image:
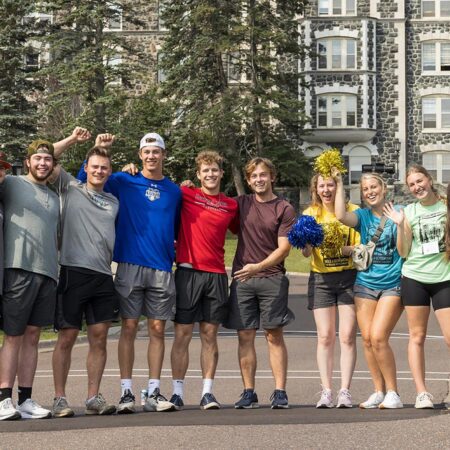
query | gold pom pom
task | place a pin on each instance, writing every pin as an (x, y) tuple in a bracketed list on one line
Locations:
[(333, 240), (327, 160)]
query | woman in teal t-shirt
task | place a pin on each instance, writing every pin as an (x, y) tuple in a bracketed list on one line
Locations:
[(426, 271), (377, 289)]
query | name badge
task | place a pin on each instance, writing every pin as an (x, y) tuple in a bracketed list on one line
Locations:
[(430, 248)]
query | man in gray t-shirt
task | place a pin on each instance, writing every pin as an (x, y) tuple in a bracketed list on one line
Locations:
[(86, 287)]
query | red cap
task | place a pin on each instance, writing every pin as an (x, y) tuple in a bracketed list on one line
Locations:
[(5, 164)]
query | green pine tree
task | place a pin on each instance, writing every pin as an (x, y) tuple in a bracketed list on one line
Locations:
[(232, 79)]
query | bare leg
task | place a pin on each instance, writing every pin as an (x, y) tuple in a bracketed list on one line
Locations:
[(443, 317), (61, 359), (278, 356), (28, 356), (247, 357), (10, 360), (325, 319), (417, 323), (347, 340), (179, 355), (210, 351), (96, 359), (389, 310), (126, 347), (365, 311), (155, 354)]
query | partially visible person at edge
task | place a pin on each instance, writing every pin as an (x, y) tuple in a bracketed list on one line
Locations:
[(259, 290), (330, 291), (86, 287), (201, 280), (423, 239), (377, 289), (31, 217), (146, 228)]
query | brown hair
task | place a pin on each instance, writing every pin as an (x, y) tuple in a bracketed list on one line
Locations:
[(98, 151), (208, 157), (417, 168), (251, 166)]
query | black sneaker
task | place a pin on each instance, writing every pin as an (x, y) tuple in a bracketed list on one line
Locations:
[(279, 399), (208, 401), (126, 403), (248, 400), (177, 402)]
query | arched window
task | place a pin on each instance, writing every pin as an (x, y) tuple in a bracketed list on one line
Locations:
[(336, 53), (438, 164), (357, 156), (336, 111)]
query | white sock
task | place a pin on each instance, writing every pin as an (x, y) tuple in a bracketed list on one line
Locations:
[(125, 383), (178, 387), (207, 386), (152, 385)]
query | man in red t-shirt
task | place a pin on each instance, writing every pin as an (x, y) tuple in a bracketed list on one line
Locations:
[(259, 291), (201, 280)]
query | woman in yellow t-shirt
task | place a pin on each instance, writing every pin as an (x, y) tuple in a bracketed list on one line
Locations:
[(330, 291)]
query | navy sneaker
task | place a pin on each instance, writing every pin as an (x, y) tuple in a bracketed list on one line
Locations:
[(208, 401), (248, 400), (279, 399), (177, 402)]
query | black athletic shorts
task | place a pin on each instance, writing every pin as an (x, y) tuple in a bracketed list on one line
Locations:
[(415, 293), (28, 299), (201, 296), (84, 292)]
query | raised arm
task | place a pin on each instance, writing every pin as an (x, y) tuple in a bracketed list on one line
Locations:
[(79, 136), (404, 233), (278, 255), (346, 217)]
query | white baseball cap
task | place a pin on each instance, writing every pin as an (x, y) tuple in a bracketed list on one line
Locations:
[(152, 140)]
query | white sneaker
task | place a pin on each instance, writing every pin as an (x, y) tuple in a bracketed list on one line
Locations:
[(7, 410), (391, 401), (326, 399), (424, 400), (373, 401), (344, 399), (29, 409)]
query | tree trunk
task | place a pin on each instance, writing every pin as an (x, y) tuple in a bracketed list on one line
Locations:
[(238, 179)]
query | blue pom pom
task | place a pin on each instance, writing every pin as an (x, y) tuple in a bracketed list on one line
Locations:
[(305, 231)]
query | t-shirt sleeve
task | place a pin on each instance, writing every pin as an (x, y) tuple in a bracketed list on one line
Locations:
[(360, 216), (287, 220), (234, 224), (63, 181)]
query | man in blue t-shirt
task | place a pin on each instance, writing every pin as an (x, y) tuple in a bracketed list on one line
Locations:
[(146, 229)]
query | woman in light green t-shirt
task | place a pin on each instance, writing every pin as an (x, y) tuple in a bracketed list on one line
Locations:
[(421, 231)]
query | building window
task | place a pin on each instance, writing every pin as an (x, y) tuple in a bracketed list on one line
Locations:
[(113, 62), (161, 7), (436, 57), (438, 164), (336, 111), (161, 74), (357, 156), (435, 8), (336, 54), (436, 113), (114, 21), (31, 60), (38, 18), (337, 7)]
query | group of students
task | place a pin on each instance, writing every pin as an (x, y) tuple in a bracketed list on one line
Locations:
[(61, 235), (410, 270), (134, 218)]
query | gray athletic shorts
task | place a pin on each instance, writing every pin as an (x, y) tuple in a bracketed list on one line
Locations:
[(145, 291), (364, 292), (28, 299), (201, 296), (330, 289), (265, 298)]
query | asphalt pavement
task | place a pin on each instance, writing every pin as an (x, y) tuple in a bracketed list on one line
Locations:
[(301, 426)]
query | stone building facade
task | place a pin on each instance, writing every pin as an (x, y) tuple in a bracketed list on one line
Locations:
[(379, 84)]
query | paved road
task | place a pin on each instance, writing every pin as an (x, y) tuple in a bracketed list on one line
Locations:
[(302, 426)]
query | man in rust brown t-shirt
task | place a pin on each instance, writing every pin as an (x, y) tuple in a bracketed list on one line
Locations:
[(260, 287)]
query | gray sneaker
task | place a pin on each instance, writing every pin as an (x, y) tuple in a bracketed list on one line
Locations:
[(61, 408), (98, 406), (157, 402)]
